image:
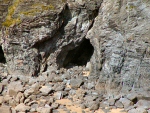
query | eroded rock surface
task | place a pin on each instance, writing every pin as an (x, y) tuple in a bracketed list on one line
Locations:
[(94, 52)]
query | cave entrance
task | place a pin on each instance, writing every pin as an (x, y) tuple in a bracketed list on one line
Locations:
[(2, 57), (80, 55)]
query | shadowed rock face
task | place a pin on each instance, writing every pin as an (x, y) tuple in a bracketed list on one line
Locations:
[(54, 34)]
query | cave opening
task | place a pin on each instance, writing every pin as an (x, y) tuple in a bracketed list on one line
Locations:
[(80, 55), (2, 57)]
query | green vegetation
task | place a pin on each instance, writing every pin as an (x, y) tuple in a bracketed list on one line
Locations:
[(9, 18), (32, 11)]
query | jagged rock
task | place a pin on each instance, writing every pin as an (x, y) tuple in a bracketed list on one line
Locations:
[(53, 43)]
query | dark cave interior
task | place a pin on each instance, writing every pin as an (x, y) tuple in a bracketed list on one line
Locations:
[(2, 57), (80, 55)]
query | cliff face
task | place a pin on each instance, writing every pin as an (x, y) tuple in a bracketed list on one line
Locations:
[(110, 37)]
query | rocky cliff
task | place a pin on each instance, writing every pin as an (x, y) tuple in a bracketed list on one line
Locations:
[(108, 39)]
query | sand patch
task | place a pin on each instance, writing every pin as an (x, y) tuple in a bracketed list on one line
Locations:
[(75, 108)]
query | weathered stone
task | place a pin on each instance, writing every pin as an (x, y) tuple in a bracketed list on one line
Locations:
[(12, 103), (5, 109), (44, 110), (75, 83), (13, 110), (58, 95), (45, 90), (28, 92), (132, 111), (1, 88), (22, 108), (126, 103), (93, 105), (111, 102), (7, 98), (118, 104), (132, 96), (12, 92), (16, 86), (1, 99), (143, 103), (141, 110), (20, 98)]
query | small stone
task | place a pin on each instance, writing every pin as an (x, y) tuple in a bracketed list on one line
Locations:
[(44, 110), (132, 96), (12, 92), (94, 106), (141, 110), (17, 86), (7, 98), (12, 103), (58, 95), (1, 99), (90, 85), (59, 87), (118, 104), (75, 83), (143, 103), (50, 101), (5, 109), (51, 77), (111, 102), (32, 81), (28, 92), (1, 88), (22, 108), (35, 87), (20, 98), (45, 90), (57, 79), (54, 105), (42, 102), (13, 110), (126, 103), (132, 111), (66, 76)]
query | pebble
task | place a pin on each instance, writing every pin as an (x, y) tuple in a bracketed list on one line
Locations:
[(45, 90), (75, 83), (22, 107)]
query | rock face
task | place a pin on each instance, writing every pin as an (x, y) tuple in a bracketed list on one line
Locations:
[(111, 37)]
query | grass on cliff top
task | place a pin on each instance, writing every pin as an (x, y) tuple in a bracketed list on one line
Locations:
[(35, 8), (11, 10)]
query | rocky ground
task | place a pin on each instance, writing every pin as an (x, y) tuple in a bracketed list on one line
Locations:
[(65, 91)]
